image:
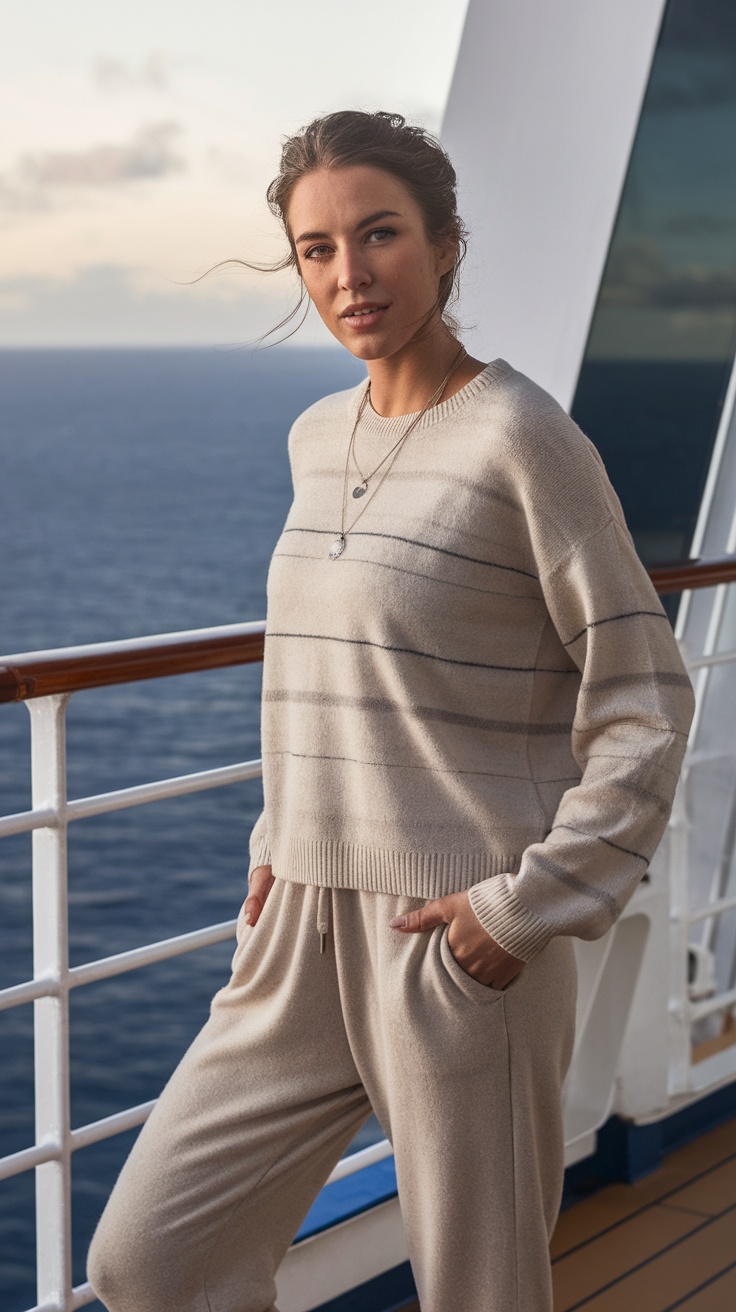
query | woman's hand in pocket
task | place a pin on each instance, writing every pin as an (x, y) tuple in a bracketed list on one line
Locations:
[(259, 887), (479, 955)]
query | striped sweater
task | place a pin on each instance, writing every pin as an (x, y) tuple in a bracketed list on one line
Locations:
[(483, 691)]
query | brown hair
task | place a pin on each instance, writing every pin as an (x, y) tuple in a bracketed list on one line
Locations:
[(387, 141)]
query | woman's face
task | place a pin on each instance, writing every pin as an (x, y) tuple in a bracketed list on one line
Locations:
[(365, 257)]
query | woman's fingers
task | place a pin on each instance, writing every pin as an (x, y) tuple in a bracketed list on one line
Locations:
[(438, 912), (471, 945), (259, 887)]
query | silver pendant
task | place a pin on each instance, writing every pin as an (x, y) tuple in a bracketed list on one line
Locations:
[(337, 547), (360, 490)]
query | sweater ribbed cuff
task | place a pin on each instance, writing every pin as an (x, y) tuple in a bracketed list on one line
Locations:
[(503, 917), (260, 855)]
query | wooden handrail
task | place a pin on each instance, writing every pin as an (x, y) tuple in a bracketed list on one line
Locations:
[(70, 669), (685, 574)]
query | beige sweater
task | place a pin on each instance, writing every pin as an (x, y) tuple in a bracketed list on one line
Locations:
[(484, 691)]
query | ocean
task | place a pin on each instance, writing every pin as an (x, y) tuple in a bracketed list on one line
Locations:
[(141, 491)]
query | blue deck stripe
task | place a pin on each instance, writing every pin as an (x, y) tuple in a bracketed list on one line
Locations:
[(345, 1198)]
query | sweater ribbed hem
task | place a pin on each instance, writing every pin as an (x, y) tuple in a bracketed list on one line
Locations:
[(260, 855), (508, 922), (331, 864)]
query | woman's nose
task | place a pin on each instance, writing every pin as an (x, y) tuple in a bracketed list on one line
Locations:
[(353, 271)]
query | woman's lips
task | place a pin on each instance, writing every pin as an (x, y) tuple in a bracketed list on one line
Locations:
[(361, 321)]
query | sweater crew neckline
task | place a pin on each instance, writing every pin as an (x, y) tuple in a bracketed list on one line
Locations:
[(394, 425)]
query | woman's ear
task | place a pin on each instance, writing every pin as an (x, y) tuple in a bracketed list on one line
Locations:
[(446, 253)]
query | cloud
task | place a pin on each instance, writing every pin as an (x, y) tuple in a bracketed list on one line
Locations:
[(44, 179), (699, 225), (703, 82), (148, 155), (638, 274), (113, 75), (16, 197), (699, 25)]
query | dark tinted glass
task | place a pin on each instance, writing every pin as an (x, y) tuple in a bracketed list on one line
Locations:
[(663, 336)]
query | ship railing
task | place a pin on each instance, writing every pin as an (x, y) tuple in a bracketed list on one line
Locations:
[(701, 851), (46, 681)]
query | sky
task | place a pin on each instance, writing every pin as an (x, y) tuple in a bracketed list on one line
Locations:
[(138, 139)]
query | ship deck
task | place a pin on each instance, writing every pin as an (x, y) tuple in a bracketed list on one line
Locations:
[(667, 1242)]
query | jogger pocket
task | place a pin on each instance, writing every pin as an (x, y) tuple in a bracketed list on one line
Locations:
[(472, 988)]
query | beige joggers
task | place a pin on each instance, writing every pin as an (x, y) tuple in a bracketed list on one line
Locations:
[(299, 1046)]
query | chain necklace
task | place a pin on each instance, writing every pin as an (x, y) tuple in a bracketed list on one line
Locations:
[(338, 545)]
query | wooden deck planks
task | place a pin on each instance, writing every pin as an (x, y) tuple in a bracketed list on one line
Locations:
[(606, 1259), (719, 1295), (668, 1277), (664, 1244), (618, 1201), (712, 1193)]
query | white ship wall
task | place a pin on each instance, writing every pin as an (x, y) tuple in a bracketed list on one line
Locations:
[(540, 121)]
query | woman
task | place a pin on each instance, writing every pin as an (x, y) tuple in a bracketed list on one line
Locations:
[(474, 715)]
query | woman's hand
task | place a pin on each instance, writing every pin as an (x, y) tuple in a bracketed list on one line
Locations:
[(471, 945), (259, 887)]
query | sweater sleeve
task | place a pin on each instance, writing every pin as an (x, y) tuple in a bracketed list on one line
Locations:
[(260, 853), (633, 711)]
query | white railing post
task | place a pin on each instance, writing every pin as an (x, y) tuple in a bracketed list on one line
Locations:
[(51, 1014), (679, 866)]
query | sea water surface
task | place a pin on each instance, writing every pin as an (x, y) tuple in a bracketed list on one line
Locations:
[(140, 492)]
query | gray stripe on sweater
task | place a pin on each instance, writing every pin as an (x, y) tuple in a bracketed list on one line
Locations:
[(564, 876), (627, 756), (599, 837), (421, 574), (418, 712), (426, 655), (596, 727), (636, 680), (433, 769), (414, 542), (611, 619)]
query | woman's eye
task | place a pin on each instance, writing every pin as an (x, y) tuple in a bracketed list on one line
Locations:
[(380, 234), (315, 252)]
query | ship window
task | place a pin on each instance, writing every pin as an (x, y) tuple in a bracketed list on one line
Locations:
[(663, 334)]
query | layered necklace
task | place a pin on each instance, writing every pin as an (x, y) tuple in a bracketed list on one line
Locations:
[(338, 545)]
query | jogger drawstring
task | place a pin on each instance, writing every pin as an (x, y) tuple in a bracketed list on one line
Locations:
[(323, 916)]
